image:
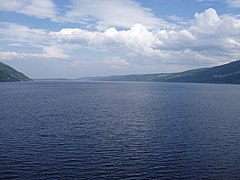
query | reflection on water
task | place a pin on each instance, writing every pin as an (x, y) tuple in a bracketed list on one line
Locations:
[(72, 130)]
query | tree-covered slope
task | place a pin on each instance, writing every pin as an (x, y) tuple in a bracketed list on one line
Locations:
[(8, 74), (226, 74)]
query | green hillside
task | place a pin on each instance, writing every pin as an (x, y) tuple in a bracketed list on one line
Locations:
[(8, 74), (224, 74)]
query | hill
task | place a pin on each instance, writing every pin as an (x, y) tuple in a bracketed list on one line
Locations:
[(8, 74), (224, 74)]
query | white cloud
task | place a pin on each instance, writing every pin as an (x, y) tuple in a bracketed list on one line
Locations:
[(116, 13), (230, 3), (116, 62), (50, 53), (210, 39), (22, 34), (38, 8), (206, 22), (234, 3), (135, 40), (99, 14), (55, 51), (208, 36), (37, 39), (14, 55), (173, 40)]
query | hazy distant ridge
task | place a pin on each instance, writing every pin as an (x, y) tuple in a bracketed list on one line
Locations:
[(226, 74)]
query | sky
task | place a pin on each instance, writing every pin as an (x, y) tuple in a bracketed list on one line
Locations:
[(79, 38)]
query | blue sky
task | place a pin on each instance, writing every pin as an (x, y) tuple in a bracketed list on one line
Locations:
[(76, 38)]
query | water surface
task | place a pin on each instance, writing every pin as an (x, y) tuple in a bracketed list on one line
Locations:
[(78, 130)]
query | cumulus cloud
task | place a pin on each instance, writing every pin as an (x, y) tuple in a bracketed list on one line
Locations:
[(210, 36), (210, 39), (135, 40), (207, 22), (213, 31)]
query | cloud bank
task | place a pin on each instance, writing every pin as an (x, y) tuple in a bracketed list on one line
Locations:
[(122, 40), (209, 37)]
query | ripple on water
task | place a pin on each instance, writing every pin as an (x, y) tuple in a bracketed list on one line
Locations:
[(74, 130)]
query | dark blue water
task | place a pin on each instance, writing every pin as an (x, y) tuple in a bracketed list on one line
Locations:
[(77, 130)]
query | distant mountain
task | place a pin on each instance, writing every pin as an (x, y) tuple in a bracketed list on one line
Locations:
[(224, 74), (8, 74)]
